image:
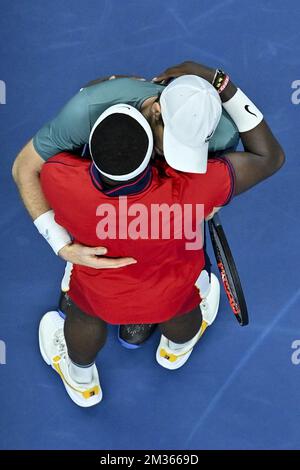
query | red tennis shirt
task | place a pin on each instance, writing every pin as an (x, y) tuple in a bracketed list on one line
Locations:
[(124, 219)]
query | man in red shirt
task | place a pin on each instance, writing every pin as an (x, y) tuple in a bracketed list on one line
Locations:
[(159, 286)]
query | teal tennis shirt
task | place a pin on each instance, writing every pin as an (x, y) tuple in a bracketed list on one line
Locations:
[(71, 128)]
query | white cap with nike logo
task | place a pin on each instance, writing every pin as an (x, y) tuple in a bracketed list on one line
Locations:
[(191, 109)]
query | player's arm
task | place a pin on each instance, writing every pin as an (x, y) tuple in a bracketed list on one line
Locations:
[(67, 131), (263, 155), (26, 173)]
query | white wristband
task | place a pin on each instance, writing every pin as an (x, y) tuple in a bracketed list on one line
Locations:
[(243, 112), (55, 234)]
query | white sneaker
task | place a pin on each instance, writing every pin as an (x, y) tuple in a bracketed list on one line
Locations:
[(54, 352), (171, 358)]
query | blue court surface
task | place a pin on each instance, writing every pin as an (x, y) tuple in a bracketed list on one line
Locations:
[(240, 388)]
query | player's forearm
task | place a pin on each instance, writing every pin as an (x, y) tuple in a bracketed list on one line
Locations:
[(259, 140), (229, 92), (26, 173), (30, 190), (263, 155)]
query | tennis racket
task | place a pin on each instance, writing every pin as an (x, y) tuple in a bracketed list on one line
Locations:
[(228, 271)]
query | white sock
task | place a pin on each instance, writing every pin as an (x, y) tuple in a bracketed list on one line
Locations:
[(81, 374)]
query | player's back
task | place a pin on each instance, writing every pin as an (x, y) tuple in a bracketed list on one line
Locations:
[(158, 226)]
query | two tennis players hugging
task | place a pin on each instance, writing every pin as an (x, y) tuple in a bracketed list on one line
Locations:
[(92, 178)]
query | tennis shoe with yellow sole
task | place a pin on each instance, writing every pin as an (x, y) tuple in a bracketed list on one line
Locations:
[(53, 349), (171, 358)]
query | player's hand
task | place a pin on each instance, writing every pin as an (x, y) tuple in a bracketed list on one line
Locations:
[(186, 68), (92, 257)]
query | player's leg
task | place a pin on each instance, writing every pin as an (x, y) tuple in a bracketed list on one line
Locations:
[(181, 333), (180, 330), (70, 346), (85, 336)]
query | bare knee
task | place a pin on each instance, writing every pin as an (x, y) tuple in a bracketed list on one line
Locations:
[(182, 328)]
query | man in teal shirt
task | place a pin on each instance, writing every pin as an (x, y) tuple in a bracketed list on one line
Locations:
[(71, 128)]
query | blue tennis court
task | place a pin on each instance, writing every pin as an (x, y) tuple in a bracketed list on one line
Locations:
[(240, 388)]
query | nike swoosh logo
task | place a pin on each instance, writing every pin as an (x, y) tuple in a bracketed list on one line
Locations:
[(248, 111)]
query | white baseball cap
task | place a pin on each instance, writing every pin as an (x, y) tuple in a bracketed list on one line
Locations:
[(191, 109)]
